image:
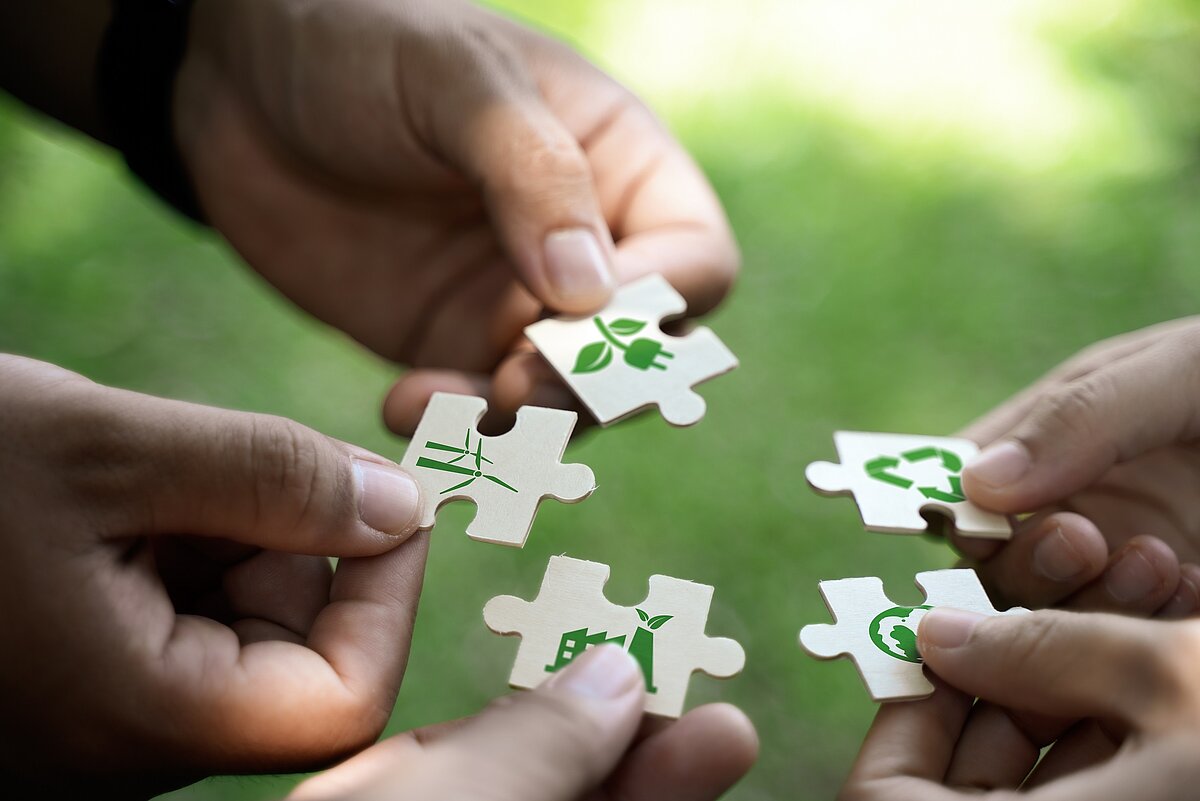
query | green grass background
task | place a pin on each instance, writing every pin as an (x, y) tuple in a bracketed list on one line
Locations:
[(914, 253)]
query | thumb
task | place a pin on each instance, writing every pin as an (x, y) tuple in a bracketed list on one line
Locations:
[(552, 744), (1078, 430), (538, 187), (257, 479), (1061, 664)]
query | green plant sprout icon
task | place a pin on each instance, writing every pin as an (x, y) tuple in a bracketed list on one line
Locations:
[(642, 353), (879, 469), (894, 631), (452, 466), (641, 648)]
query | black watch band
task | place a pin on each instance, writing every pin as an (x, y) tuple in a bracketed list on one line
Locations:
[(139, 61)]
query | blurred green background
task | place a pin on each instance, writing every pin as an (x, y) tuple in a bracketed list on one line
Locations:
[(936, 201)]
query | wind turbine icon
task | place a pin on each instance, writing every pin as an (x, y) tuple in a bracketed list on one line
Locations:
[(453, 465)]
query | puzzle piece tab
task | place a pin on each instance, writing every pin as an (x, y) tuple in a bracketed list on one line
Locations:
[(894, 476), (506, 476), (618, 361), (665, 633), (881, 637)]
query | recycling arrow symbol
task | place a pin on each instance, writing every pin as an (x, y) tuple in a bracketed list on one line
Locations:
[(881, 467)]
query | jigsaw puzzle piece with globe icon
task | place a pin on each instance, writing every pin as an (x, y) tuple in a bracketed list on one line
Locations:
[(881, 637), (893, 477), (506, 476)]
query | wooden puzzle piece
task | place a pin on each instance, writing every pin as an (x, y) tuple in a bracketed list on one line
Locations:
[(665, 633), (894, 476), (506, 476), (619, 362), (881, 637)]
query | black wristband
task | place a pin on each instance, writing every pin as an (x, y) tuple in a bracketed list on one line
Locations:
[(139, 60)]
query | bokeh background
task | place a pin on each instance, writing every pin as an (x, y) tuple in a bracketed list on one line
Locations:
[(936, 201)]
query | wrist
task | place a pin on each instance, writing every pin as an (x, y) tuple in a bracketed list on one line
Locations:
[(138, 64)]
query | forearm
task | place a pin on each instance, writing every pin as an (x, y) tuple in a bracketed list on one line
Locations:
[(48, 54)]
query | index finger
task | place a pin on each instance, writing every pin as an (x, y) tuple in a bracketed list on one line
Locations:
[(663, 213)]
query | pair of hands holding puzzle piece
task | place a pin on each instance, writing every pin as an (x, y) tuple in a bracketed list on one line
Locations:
[(1100, 455)]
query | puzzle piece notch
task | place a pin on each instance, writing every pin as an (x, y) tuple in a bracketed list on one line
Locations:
[(653, 368), (859, 606), (506, 477), (890, 502), (571, 601)]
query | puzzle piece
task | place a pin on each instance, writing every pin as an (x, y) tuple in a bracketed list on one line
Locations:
[(894, 476), (506, 476), (881, 637), (618, 362), (665, 633)]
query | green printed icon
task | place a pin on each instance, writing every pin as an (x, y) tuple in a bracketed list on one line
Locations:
[(881, 469), (641, 646), (453, 465), (642, 353), (894, 631)]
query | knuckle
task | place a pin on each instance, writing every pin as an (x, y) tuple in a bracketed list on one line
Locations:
[(286, 461), (546, 168), (1170, 662), (1076, 408)]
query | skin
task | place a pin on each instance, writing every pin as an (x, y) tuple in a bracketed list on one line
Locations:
[(414, 211), (1103, 453), (167, 575), (1118, 697), (1111, 438), (579, 736)]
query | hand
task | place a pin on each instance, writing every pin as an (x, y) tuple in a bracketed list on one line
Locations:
[(1106, 452), (575, 737), (170, 610), (428, 176), (1120, 696)]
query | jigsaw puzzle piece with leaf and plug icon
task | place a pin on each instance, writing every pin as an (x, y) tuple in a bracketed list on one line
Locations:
[(506, 476), (618, 362), (881, 637), (665, 633), (893, 477)]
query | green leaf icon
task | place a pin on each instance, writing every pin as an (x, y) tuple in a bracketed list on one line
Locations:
[(626, 327), (593, 357), (656, 622), (644, 617)]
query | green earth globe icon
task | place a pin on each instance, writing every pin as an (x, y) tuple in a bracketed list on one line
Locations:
[(894, 631)]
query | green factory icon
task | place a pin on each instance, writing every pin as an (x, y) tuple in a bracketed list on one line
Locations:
[(640, 647)]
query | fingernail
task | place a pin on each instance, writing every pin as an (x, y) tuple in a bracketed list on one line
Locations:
[(1184, 602), (604, 672), (1056, 558), (388, 498), (577, 268), (1132, 578), (1001, 464), (947, 628)]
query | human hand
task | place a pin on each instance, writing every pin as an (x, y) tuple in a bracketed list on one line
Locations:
[(170, 610), (1119, 697), (575, 737), (1105, 451), (429, 176)]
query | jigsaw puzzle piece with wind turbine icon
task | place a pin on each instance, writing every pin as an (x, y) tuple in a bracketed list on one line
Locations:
[(506, 477)]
